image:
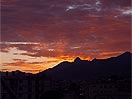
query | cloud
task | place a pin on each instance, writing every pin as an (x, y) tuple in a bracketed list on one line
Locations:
[(22, 62), (126, 11), (40, 20), (95, 5)]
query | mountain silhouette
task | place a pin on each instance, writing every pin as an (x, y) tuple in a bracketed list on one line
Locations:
[(95, 69)]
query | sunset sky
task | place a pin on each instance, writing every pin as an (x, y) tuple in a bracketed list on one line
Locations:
[(39, 34)]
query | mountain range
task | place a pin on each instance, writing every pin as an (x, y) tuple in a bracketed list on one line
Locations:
[(95, 69)]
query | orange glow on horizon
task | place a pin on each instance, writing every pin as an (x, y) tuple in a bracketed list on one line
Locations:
[(35, 67)]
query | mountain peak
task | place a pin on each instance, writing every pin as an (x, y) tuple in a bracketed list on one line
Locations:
[(77, 59), (94, 59), (126, 54)]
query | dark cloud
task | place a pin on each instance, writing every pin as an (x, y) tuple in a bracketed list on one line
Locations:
[(33, 20), (20, 60)]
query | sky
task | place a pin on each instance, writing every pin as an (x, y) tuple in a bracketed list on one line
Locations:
[(39, 34)]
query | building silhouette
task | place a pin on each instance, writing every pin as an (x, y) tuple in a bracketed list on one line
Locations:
[(18, 85)]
